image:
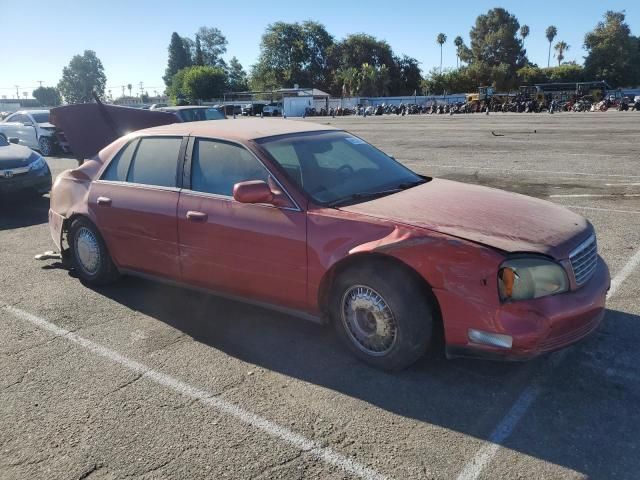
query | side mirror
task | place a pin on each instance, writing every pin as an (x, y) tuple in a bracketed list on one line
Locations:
[(257, 191), (15, 140)]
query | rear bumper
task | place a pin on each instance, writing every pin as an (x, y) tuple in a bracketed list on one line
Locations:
[(56, 225), (538, 326)]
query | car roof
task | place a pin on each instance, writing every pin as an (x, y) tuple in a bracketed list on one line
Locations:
[(32, 111), (243, 129)]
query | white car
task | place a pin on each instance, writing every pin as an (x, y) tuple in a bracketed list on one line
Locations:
[(32, 129), (272, 110)]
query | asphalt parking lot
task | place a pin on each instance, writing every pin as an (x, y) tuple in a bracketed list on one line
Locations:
[(141, 380)]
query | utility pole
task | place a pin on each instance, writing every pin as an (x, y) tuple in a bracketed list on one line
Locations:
[(17, 91), (40, 82), (141, 89), (123, 90)]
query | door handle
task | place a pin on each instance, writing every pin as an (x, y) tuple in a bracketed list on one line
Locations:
[(104, 201), (197, 216)]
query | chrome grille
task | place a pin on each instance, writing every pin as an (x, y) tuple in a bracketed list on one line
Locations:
[(584, 260)]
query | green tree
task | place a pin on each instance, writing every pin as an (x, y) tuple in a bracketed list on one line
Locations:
[(551, 34), (441, 39), (198, 56), (237, 77), (197, 83), (348, 78), (496, 51), (83, 75), (214, 45), (567, 72), (524, 33), (561, 47), (179, 58), (408, 78), (459, 43), (359, 49), (294, 53), (47, 96), (613, 54), (460, 80), (530, 75)]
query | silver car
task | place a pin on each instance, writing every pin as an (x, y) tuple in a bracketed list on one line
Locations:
[(32, 129)]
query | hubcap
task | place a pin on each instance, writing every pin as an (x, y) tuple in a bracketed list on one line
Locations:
[(87, 250), (368, 320)]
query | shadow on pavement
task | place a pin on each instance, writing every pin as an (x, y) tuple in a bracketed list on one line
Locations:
[(23, 211), (467, 396)]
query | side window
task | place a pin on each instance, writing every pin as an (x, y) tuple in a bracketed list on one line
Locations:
[(288, 159), (156, 161), (119, 166), (217, 166), (17, 118)]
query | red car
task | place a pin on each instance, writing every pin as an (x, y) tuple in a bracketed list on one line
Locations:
[(316, 222)]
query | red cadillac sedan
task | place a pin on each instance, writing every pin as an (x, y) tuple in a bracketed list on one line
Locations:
[(316, 222)]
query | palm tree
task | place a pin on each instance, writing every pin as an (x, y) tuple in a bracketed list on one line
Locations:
[(524, 33), (441, 39), (129, 87), (551, 33), (458, 42), (560, 48)]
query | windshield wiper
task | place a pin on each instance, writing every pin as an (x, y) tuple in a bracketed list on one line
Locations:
[(371, 195), (362, 196)]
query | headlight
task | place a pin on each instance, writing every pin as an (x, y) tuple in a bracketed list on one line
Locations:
[(531, 277), (37, 164)]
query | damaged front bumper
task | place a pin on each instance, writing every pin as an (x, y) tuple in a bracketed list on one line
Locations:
[(541, 325)]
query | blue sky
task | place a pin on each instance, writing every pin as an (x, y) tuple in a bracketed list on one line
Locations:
[(131, 38)]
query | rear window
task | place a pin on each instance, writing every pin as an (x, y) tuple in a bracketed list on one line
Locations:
[(156, 162), (200, 114), (119, 166)]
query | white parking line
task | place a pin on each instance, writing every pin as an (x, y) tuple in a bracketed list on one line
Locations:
[(586, 195), (296, 440), (600, 209), (505, 428), (550, 172), (633, 184)]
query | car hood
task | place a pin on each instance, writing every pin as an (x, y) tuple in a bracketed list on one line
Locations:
[(508, 221), (15, 156)]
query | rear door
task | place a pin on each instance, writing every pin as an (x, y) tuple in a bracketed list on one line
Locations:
[(251, 250), (134, 204)]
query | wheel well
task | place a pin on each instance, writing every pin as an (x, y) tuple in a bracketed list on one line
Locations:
[(385, 261)]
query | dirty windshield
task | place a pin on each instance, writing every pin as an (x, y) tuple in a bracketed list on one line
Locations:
[(336, 168)]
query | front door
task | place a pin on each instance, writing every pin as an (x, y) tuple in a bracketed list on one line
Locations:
[(250, 250), (134, 205)]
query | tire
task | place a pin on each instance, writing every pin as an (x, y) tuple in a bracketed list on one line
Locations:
[(89, 255), (45, 145), (387, 299)]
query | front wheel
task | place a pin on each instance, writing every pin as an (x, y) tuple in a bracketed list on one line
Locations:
[(89, 254), (383, 315), (46, 146)]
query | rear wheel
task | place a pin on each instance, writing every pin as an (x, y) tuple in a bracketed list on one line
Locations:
[(89, 254), (382, 314)]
